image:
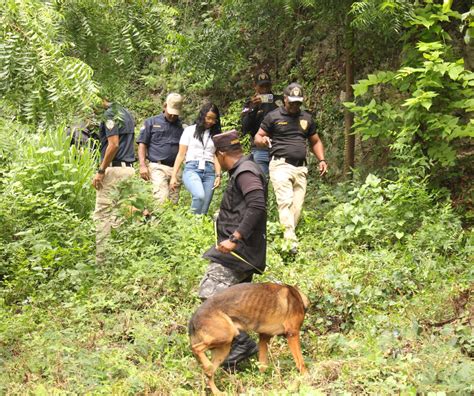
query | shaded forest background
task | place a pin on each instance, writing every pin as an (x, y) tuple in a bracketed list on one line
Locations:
[(386, 237)]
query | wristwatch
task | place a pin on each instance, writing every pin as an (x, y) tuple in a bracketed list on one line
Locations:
[(233, 239), (101, 171)]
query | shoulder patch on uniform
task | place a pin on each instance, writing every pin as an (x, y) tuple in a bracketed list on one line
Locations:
[(279, 102), (304, 124), (110, 124)]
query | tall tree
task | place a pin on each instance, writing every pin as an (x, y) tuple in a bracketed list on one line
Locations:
[(349, 137), (39, 82)]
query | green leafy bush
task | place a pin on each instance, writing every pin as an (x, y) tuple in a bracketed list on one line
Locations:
[(47, 164), (40, 237), (423, 107), (382, 212), (37, 79), (45, 206), (9, 135), (122, 327)]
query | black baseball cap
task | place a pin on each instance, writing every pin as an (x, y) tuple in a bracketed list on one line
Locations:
[(294, 92), (262, 78)]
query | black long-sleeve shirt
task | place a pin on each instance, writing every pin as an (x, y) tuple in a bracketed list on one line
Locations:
[(252, 117), (254, 196)]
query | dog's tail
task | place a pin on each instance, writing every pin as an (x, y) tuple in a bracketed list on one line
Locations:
[(191, 327)]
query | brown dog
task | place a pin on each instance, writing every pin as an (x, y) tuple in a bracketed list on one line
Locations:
[(266, 308)]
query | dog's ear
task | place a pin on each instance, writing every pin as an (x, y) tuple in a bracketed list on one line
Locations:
[(305, 299)]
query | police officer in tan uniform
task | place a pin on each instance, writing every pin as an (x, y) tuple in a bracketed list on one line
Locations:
[(159, 143), (116, 133), (286, 131)]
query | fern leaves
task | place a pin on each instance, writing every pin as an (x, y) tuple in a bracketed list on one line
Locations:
[(37, 80)]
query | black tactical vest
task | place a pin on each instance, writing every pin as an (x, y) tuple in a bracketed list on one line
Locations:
[(254, 247)]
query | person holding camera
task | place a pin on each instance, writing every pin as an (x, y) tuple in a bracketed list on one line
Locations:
[(255, 110)]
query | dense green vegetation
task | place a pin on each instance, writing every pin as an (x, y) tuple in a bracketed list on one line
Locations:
[(386, 256)]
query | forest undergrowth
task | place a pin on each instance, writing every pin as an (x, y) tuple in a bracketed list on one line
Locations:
[(385, 263), (385, 257)]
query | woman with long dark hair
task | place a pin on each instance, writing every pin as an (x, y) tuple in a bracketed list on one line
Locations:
[(202, 172)]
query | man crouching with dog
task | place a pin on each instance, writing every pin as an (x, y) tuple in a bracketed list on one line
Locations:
[(240, 249)]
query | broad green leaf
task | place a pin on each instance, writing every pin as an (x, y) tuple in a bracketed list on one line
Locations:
[(360, 88), (447, 5), (427, 23), (399, 234), (372, 180), (454, 71), (349, 228), (426, 103), (429, 46)]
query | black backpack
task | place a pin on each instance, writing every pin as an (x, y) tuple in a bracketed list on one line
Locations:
[(83, 136)]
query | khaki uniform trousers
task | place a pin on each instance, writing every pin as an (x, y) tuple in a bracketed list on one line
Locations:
[(160, 177), (105, 214), (289, 183)]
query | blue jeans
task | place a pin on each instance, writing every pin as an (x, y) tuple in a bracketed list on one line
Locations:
[(199, 182), (261, 157)]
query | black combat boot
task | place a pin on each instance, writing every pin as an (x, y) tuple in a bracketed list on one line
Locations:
[(242, 348)]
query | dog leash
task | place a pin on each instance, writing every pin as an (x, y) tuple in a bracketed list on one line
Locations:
[(245, 261)]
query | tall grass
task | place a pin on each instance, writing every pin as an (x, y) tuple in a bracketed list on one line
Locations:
[(48, 164)]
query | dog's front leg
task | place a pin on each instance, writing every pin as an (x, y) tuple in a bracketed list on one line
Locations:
[(295, 348), (264, 339)]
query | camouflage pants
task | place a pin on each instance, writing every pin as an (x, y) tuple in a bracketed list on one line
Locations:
[(218, 278)]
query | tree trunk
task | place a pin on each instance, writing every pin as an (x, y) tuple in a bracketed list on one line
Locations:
[(349, 147)]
